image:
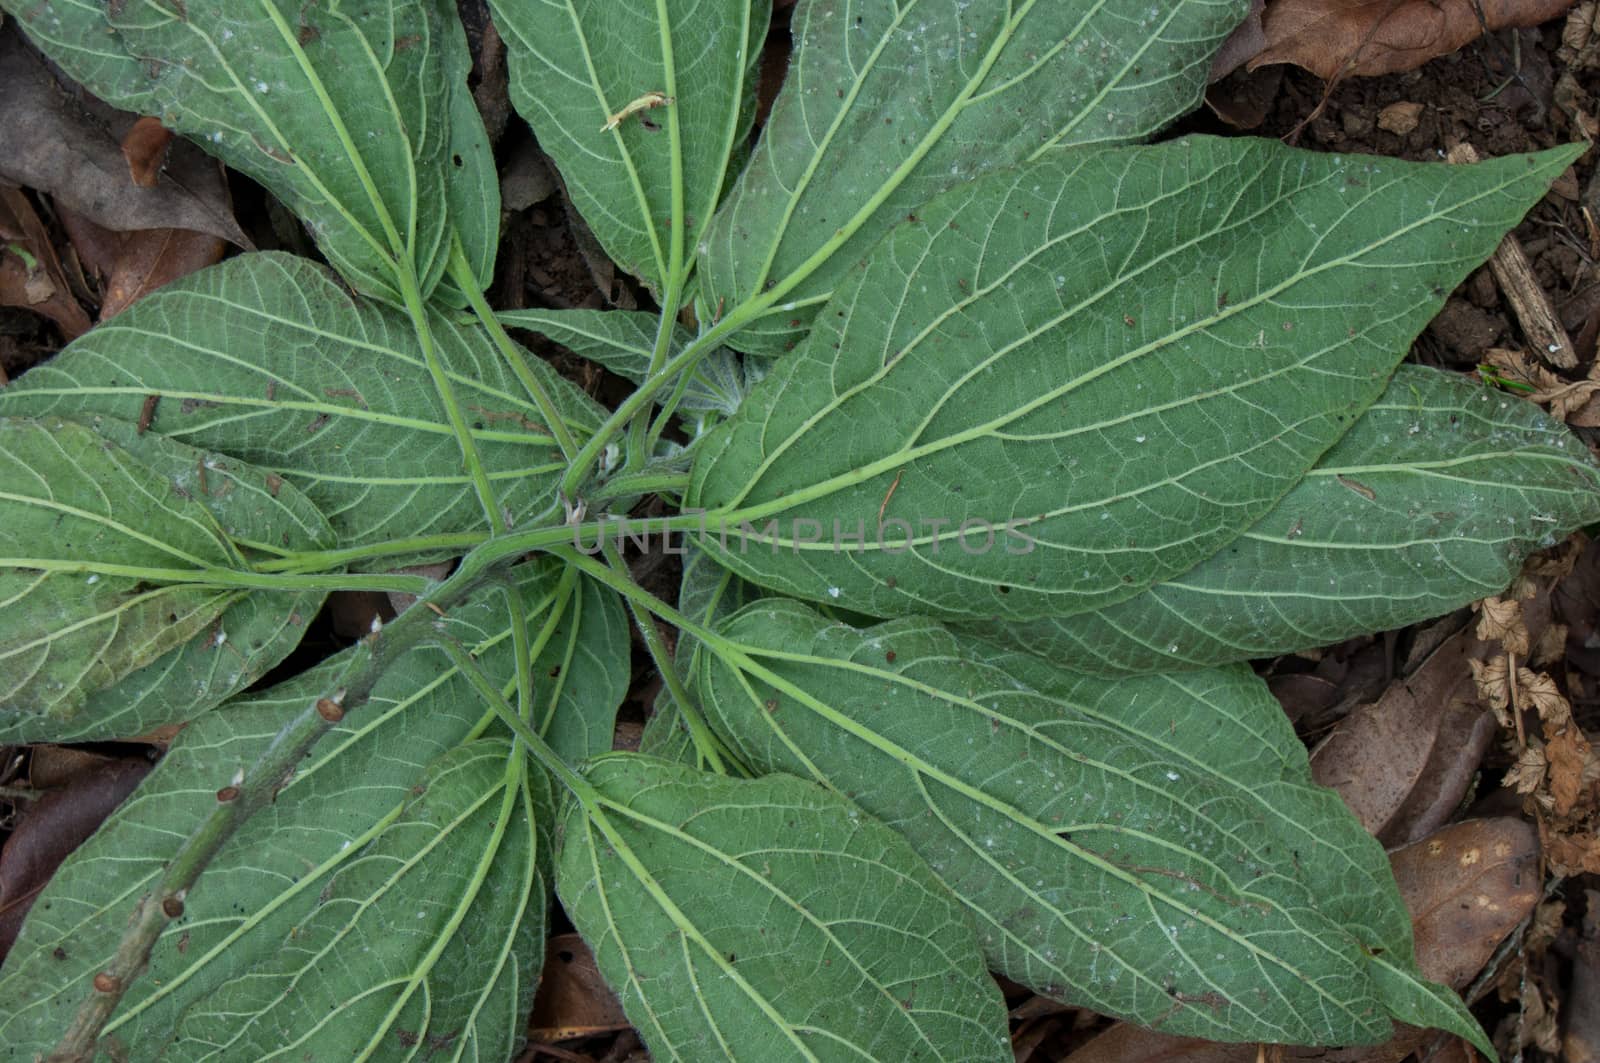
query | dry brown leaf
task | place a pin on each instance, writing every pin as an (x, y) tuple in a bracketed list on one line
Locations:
[(1467, 887), (1527, 774), (151, 258), (1403, 762), (1493, 680), (30, 273), (53, 825), (1574, 402), (1569, 755), (1335, 38), (66, 144), (573, 999), (1541, 692), (1572, 854), (1501, 619)]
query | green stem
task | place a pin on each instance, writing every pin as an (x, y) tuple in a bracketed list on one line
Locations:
[(579, 787), (643, 482), (237, 800), (639, 424), (682, 362), (466, 280), (231, 577), (704, 742), (322, 560)]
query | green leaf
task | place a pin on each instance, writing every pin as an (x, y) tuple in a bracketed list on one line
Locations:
[(252, 631), (581, 675), (888, 105), (1433, 500), (1103, 366), (623, 340), (438, 917), (276, 878), (343, 112), (1152, 848), (266, 358), (648, 185), (768, 919), (473, 187), (90, 532)]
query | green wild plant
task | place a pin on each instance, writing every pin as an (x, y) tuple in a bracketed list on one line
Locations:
[(999, 437)]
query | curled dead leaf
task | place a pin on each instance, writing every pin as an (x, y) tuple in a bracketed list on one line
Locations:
[(1501, 619), (1336, 38)]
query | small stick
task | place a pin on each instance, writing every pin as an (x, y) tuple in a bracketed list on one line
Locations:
[(890, 494), (1514, 273)]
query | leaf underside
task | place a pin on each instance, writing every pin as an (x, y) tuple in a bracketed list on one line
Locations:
[(265, 357), (357, 841), (1062, 385), (778, 923), (887, 105), (1151, 848), (342, 110), (91, 644), (648, 183), (1433, 500)]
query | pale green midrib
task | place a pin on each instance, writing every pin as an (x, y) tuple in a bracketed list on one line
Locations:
[(399, 258), (1031, 734), (972, 298), (851, 95), (268, 406), (566, 596), (852, 477), (112, 525), (422, 968), (748, 57), (1050, 53), (243, 91), (923, 769), (1195, 533), (373, 896), (597, 882), (1112, 285), (893, 182), (688, 931), (1043, 902), (532, 319), (530, 880), (114, 615), (1092, 107), (413, 209), (771, 889), (674, 276), (1434, 468), (641, 199)]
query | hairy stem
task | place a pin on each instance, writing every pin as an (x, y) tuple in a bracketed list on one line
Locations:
[(704, 742), (461, 273), (237, 800)]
